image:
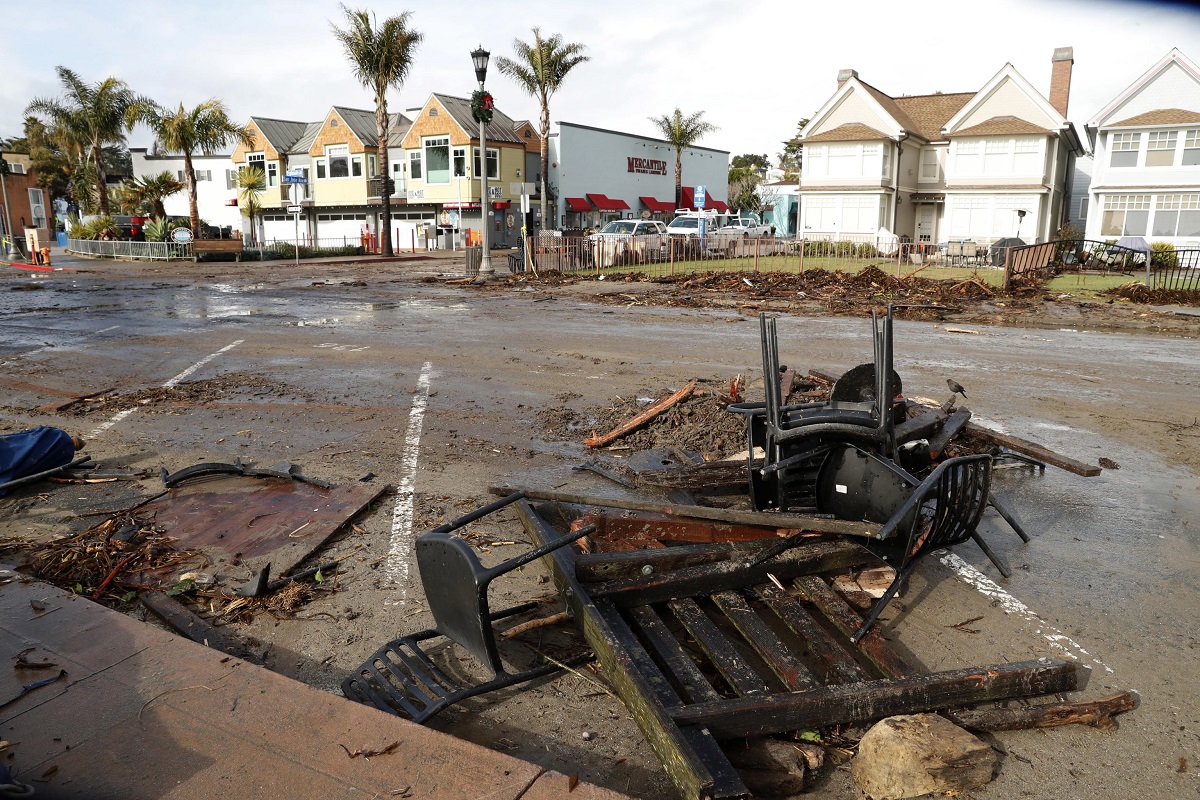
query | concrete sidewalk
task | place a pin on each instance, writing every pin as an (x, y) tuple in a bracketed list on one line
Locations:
[(142, 713)]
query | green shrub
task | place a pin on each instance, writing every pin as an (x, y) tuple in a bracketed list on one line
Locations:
[(94, 229), (159, 229), (1163, 256)]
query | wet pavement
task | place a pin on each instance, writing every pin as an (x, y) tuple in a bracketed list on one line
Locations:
[(1110, 577)]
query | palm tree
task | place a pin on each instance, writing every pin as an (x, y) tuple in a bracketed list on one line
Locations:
[(85, 119), (251, 182), (380, 57), (151, 189), (186, 131), (681, 132), (540, 69)]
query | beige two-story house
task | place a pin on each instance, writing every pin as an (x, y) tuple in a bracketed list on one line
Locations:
[(977, 166)]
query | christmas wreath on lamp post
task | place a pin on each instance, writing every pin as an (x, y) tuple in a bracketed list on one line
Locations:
[(482, 105)]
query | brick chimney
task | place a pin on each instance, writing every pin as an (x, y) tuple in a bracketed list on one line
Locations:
[(847, 74), (1060, 78)]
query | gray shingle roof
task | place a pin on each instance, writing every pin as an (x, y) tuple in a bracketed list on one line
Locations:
[(310, 135), (500, 129), (281, 133)]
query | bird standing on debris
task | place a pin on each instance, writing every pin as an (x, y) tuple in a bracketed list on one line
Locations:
[(956, 387)]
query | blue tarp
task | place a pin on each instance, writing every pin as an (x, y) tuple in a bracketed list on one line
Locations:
[(32, 451)]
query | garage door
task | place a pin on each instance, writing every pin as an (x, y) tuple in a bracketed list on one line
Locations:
[(281, 228), (347, 227)]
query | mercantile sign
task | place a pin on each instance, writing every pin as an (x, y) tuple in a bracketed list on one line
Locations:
[(647, 166)]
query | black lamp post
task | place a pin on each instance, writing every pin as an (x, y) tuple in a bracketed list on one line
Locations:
[(479, 57)]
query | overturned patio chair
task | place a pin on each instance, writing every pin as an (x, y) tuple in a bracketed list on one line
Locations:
[(796, 438), (917, 516), (400, 677)]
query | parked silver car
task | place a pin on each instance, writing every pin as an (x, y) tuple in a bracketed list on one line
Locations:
[(629, 241)]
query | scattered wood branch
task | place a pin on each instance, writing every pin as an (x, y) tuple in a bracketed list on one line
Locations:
[(533, 624), (641, 419), (1097, 713)]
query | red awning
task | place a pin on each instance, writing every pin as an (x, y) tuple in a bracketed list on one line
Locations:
[(605, 203), (500, 204), (657, 206), (578, 204), (718, 205), (688, 197), (710, 202)]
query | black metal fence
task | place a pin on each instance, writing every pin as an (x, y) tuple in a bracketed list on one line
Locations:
[(1163, 267)]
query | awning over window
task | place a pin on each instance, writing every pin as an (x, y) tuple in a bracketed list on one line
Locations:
[(605, 203), (719, 205), (578, 204), (657, 206), (500, 204)]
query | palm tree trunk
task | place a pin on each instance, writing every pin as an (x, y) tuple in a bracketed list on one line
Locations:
[(679, 177), (189, 177), (385, 216), (101, 182), (544, 152)]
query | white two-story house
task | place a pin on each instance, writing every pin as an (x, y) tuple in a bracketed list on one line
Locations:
[(1146, 176), (977, 166)]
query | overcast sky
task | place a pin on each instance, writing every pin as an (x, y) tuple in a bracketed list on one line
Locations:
[(754, 68)]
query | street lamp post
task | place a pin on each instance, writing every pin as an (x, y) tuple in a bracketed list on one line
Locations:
[(479, 57)]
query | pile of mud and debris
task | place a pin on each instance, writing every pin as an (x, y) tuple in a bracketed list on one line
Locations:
[(231, 386), (1138, 292)]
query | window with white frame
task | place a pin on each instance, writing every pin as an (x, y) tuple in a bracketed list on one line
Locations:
[(414, 165), (970, 215), (929, 164), (1027, 157), (997, 156), (372, 163), (319, 165), (1177, 215), (252, 160), (338, 156), (1160, 148), (356, 166), (493, 163), (886, 171), (821, 213), (860, 214), (1124, 149), (1125, 215), (1007, 219), (306, 189), (398, 173), (272, 174), (966, 157), (437, 160), (1083, 208), (37, 207), (1191, 149), (844, 161), (814, 160), (460, 162)]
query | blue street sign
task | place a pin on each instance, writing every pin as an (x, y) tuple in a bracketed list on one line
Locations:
[(300, 179), (701, 196)]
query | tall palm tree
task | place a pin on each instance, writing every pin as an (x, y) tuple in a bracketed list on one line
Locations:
[(151, 189), (86, 118), (204, 128), (380, 58), (251, 182), (540, 69), (681, 132)]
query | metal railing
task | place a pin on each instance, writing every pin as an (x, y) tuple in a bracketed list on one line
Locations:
[(1174, 269), (149, 251)]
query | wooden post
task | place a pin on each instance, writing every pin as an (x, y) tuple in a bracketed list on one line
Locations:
[(756, 240), (801, 243)]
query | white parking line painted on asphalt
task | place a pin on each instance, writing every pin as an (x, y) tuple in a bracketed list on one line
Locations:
[(1011, 605), (401, 545), (120, 415)]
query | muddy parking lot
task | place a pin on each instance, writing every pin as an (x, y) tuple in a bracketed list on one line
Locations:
[(441, 390)]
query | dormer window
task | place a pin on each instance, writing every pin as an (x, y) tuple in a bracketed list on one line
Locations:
[(433, 112)]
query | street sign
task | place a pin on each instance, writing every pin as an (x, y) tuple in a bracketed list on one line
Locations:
[(295, 176), (295, 209), (701, 197)]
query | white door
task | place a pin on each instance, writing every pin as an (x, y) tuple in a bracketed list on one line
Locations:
[(925, 224)]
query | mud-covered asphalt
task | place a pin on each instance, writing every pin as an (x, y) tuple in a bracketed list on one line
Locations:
[(324, 367)]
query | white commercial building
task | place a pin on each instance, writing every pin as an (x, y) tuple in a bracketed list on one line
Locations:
[(599, 175), (216, 187)]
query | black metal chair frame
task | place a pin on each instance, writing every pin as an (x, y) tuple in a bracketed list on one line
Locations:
[(940, 511), (400, 676)]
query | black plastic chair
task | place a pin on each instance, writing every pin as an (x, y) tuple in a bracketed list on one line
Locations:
[(918, 517), (400, 677)]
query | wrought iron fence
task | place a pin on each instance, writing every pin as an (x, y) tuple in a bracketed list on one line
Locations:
[(150, 251), (1174, 269)]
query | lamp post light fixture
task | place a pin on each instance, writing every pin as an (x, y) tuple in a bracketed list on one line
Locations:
[(479, 57)]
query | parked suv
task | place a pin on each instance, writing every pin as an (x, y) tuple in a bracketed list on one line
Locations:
[(625, 241)]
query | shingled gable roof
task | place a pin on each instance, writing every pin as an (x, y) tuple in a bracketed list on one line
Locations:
[(1175, 57), (500, 129), (931, 112), (1159, 116), (281, 133), (850, 132), (999, 126)]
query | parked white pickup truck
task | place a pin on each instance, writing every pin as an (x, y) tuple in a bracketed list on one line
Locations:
[(722, 233), (746, 226)]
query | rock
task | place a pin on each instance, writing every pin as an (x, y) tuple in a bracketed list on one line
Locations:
[(911, 756), (774, 768)]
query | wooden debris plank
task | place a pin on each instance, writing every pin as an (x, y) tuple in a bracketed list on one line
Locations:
[(921, 426), (839, 666), (724, 656), (1097, 713), (767, 519), (189, 625), (595, 567), (641, 419), (692, 759), (872, 700), (642, 527), (952, 427), (709, 475), (801, 560), (770, 648), (1033, 450), (814, 590), (696, 687)]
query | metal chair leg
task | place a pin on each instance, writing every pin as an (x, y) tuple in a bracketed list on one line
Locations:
[(1003, 511), (987, 551)]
